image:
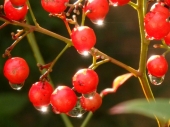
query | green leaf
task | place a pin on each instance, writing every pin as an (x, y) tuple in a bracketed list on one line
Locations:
[(11, 103), (160, 108)]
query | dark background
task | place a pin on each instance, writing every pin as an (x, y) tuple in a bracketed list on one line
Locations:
[(118, 37)]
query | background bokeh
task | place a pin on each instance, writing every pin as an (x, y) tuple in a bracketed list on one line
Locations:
[(118, 37)]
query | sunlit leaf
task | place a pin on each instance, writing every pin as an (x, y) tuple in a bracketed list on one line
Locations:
[(118, 81), (11, 103), (160, 108)]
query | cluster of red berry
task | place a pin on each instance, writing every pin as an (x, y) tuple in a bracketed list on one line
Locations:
[(157, 26), (62, 99)]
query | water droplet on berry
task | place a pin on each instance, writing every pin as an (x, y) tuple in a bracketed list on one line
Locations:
[(55, 111), (98, 22), (115, 4), (156, 80), (16, 86), (42, 108), (18, 7), (84, 53), (77, 111), (89, 95), (149, 38)]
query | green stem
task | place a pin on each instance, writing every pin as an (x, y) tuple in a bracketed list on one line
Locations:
[(32, 14), (66, 120), (38, 29), (88, 117)]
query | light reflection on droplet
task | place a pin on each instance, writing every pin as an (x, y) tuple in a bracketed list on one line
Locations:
[(156, 80), (89, 95), (77, 111), (16, 86), (84, 53), (98, 22), (42, 108)]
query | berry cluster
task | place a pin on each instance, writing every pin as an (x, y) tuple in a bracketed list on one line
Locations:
[(63, 99), (157, 27), (156, 22)]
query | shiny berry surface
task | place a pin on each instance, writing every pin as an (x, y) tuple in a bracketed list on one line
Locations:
[(157, 65), (83, 38), (85, 81), (18, 2), (119, 2), (156, 25), (40, 93), (91, 104), (15, 13), (63, 99), (97, 9), (16, 70), (54, 6)]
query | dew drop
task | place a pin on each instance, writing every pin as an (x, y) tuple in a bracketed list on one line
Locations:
[(149, 38), (98, 22), (42, 108), (115, 4), (89, 95), (18, 7), (156, 80), (16, 86), (84, 53), (77, 111)]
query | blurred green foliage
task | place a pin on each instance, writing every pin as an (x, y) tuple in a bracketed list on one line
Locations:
[(118, 37)]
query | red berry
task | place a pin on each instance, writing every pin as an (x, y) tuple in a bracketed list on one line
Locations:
[(167, 39), (63, 99), (156, 25), (15, 13), (159, 7), (98, 9), (40, 93), (91, 104), (85, 81), (167, 2), (54, 6), (16, 70), (157, 65), (83, 38), (18, 2), (119, 2)]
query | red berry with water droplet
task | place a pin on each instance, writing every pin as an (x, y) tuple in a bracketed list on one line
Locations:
[(16, 70), (91, 104), (18, 3), (119, 2), (157, 65), (85, 81), (15, 13), (63, 99), (83, 38), (40, 93), (54, 6), (156, 25), (98, 9)]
